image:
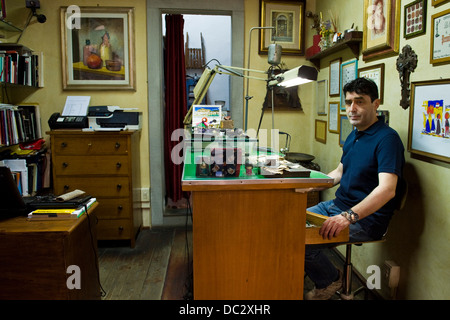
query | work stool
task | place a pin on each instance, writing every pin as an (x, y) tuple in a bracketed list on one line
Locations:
[(346, 293)]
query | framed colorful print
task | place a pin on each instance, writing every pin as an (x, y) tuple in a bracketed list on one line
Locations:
[(335, 79), (321, 131), (381, 35), (376, 73), (436, 3), (429, 119), (333, 117), (345, 128), (349, 72), (440, 37), (322, 97), (415, 23), (287, 19), (97, 47)]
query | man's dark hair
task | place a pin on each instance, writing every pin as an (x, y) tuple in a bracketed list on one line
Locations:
[(362, 86)]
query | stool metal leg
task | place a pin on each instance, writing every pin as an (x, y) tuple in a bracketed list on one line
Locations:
[(346, 293)]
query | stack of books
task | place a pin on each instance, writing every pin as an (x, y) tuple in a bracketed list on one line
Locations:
[(61, 213)]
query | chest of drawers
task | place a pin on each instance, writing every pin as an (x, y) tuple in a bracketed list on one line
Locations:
[(106, 166)]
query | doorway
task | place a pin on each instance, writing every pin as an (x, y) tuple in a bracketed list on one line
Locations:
[(155, 8)]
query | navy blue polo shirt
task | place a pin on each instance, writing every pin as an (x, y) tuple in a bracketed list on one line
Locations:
[(365, 154)]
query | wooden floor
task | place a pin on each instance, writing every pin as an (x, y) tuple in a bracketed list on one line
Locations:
[(159, 267)]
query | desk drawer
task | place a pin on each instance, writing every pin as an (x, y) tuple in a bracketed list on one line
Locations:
[(312, 235), (110, 187), (90, 145), (114, 229), (110, 165), (119, 208)]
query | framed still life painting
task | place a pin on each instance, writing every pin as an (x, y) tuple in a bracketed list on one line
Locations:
[(97, 46)]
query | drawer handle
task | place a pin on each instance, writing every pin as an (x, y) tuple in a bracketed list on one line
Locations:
[(63, 144), (66, 187), (120, 208), (118, 165), (119, 186), (65, 164), (120, 228), (117, 145)]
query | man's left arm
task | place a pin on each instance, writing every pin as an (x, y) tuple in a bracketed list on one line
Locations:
[(379, 196)]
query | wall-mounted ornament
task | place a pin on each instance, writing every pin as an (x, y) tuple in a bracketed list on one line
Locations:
[(406, 63)]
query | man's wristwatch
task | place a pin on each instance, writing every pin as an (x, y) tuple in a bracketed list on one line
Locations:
[(350, 215)]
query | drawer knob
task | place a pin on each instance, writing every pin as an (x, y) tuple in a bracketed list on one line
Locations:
[(65, 164), (120, 208), (117, 145), (120, 228), (63, 144), (66, 187), (119, 186), (118, 165)]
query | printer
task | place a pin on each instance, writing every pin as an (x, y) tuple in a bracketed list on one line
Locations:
[(113, 118)]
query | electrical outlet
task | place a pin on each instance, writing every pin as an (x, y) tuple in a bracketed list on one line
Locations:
[(391, 273), (145, 195)]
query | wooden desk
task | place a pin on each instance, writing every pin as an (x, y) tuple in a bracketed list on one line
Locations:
[(249, 235), (35, 256)]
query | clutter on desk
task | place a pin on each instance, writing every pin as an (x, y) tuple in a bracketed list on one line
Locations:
[(223, 162)]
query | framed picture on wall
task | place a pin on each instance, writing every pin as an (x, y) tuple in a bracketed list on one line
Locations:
[(376, 73), (3, 9), (381, 28), (345, 128), (335, 78), (415, 15), (436, 3), (322, 97), (429, 119), (321, 131), (287, 20), (349, 72), (440, 37), (97, 46), (333, 117)]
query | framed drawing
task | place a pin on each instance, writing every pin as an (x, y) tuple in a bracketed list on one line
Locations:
[(321, 131), (429, 117), (381, 30), (97, 47), (376, 73), (333, 117), (349, 72), (335, 79), (345, 128), (436, 3), (321, 97), (415, 19), (440, 37), (287, 18)]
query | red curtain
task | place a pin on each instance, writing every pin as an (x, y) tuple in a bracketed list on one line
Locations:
[(175, 100)]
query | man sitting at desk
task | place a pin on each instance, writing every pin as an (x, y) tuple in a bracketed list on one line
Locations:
[(371, 164)]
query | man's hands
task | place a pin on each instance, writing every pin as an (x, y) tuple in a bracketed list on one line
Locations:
[(333, 226)]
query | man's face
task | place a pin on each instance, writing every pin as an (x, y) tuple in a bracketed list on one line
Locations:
[(361, 111)]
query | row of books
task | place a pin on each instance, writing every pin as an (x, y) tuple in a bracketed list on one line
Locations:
[(61, 213), (21, 68), (19, 124)]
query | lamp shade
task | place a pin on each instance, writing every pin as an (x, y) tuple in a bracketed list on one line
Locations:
[(297, 76)]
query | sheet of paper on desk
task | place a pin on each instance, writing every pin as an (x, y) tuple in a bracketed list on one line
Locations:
[(76, 106)]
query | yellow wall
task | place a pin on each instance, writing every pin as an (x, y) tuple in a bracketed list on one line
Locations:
[(419, 235), (46, 37)]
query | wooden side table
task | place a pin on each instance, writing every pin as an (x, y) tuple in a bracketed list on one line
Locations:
[(36, 255)]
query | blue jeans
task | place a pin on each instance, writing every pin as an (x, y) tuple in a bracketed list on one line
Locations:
[(317, 265)]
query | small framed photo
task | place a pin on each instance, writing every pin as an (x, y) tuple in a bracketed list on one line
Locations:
[(321, 131), (3, 10), (322, 97), (415, 18), (333, 117), (345, 128), (335, 78), (436, 3), (375, 73), (429, 117), (440, 37), (349, 72), (287, 18)]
